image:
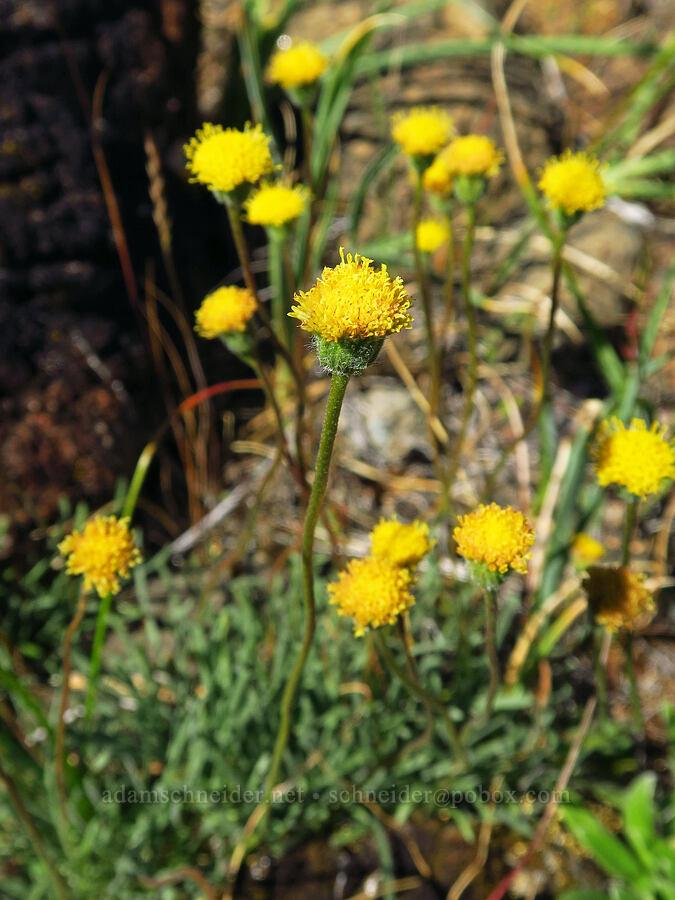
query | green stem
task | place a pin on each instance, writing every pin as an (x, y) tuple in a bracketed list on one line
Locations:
[(449, 275), (600, 675), (635, 702), (336, 395), (96, 653), (628, 529), (473, 341), (425, 296), (414, 685), (280, 291), (491, 647), (545, 388), (234, 216)]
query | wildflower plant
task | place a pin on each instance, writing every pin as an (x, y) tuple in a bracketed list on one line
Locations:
[(103, 551), (637, 458)]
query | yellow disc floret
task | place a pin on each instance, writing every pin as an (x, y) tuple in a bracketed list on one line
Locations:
[(373, 592), (300, 64), (618, 598), (638, 458), (437, 178), (473, 154), (227, 309), (353, 300), (431, 234), (276, 204), (573, 183), (224, 158), (399, 544), (104, 551), (421, 131), (500, 538)]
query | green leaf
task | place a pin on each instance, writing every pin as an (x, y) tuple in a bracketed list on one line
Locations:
[(656, 314), (378, 163), (638, 811), (608, 851)]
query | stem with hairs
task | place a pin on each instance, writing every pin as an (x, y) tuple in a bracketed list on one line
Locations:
[(336, 395)]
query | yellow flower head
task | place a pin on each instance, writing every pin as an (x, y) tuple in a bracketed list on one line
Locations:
[(300, 64), (353, 300), (618, 598), (499, 538), (431, 234), (637, 458), (586, 550), (227, 309), (224, 158), (103, 552), (437, 178), (399, 544), (373, 592), (474, 154), (421, 131), (276, 204), (573, 183)]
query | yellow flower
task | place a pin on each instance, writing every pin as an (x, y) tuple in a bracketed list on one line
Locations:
[(572, 183), (353, 301), (225, 310), (437, 178), (276, 204), (399, 544), (474, 154), (224, 158), (637, 458), (103, 552), (431, 234), (499, 538), (373, 592), (421, 131), (617, 597), (300, 64), (586, 550)]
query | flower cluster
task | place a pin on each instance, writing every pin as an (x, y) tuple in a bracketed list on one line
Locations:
[(104, 551), (298, 65), (637, 458), (586, 550), (225, 158), (276, 204), (494, 539), (353, 301), (573, 183), (228, 309), (431, 234), (618, 598), (421, 131), (374, 591)]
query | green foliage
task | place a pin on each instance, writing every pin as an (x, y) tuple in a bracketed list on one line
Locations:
[(640, 862)]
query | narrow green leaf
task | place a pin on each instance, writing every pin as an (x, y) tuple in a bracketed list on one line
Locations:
[(638, 812), (656, 314), (608, 851)]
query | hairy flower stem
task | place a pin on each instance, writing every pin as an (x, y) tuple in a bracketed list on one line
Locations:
[(34, 835), (629, 652), (545, 387), (491, 647), (65, 693), (234, 216), (449, 276), (413, 683), (473, 342), (432, 350), (338, 386)]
